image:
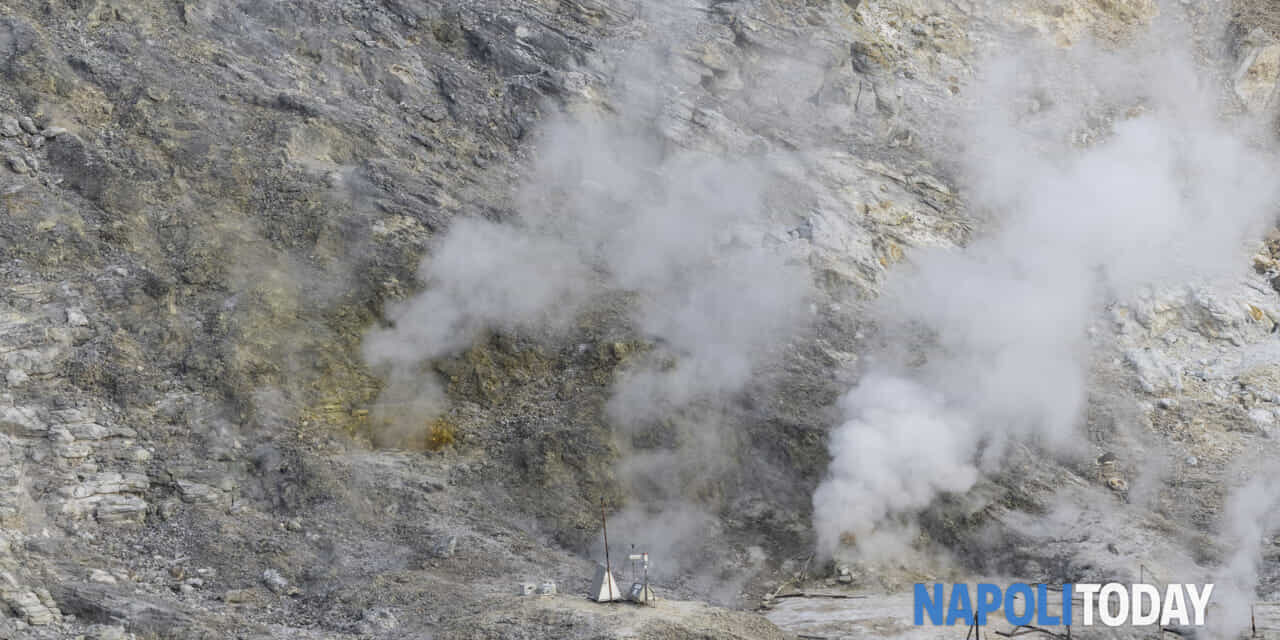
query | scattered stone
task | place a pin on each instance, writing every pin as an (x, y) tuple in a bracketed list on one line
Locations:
[(28, 606), (22, 422), (71, 415), (28, 125), (120, 509), (94, 431), (844, 575), (293, 524), (101, 577), (275, 582), (196, 492), (107, 483), (168, 509), (53, 132), (46, 599), (110, 633), (17, 164), (239, 596), (547, 589), (61, 434), (16, 377), (377, 620), (76, 318), (1255, 78), (73, 450), (1261, 418), (9, 126), (147, 616), (435, 112), (1192, 461), (445, 548), (1156, 372)]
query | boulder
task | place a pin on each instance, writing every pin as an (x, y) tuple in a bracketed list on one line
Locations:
[(1255, 78)]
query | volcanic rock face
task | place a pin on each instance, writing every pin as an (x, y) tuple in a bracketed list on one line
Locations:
[(209, 212)]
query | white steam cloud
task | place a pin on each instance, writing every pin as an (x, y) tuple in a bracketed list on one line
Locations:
[(610, 206), (1169, 193), (1104, 174), (1250, 516)]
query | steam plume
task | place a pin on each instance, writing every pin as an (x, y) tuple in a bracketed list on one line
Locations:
[(1249, 517), (1082, 215), (623, 200)]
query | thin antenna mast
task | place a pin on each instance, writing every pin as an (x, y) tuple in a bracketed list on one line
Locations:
[(608, 568)]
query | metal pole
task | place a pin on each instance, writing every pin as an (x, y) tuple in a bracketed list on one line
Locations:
[(646, 578), (608, 568)]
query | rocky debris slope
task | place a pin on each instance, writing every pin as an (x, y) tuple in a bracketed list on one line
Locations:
[(207, 204), (204, 206)]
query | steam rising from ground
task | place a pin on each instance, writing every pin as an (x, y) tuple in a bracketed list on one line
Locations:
[(1104, 174), (609, 209), (619, 199), (626, 204), (1082, 216), (1249, 517)]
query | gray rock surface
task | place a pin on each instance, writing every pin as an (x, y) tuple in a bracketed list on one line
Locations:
[(207, 206)]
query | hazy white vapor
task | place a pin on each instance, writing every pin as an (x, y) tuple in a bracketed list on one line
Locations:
[(1169, 193), (609, 206), (485, 275), (1250, 516)]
